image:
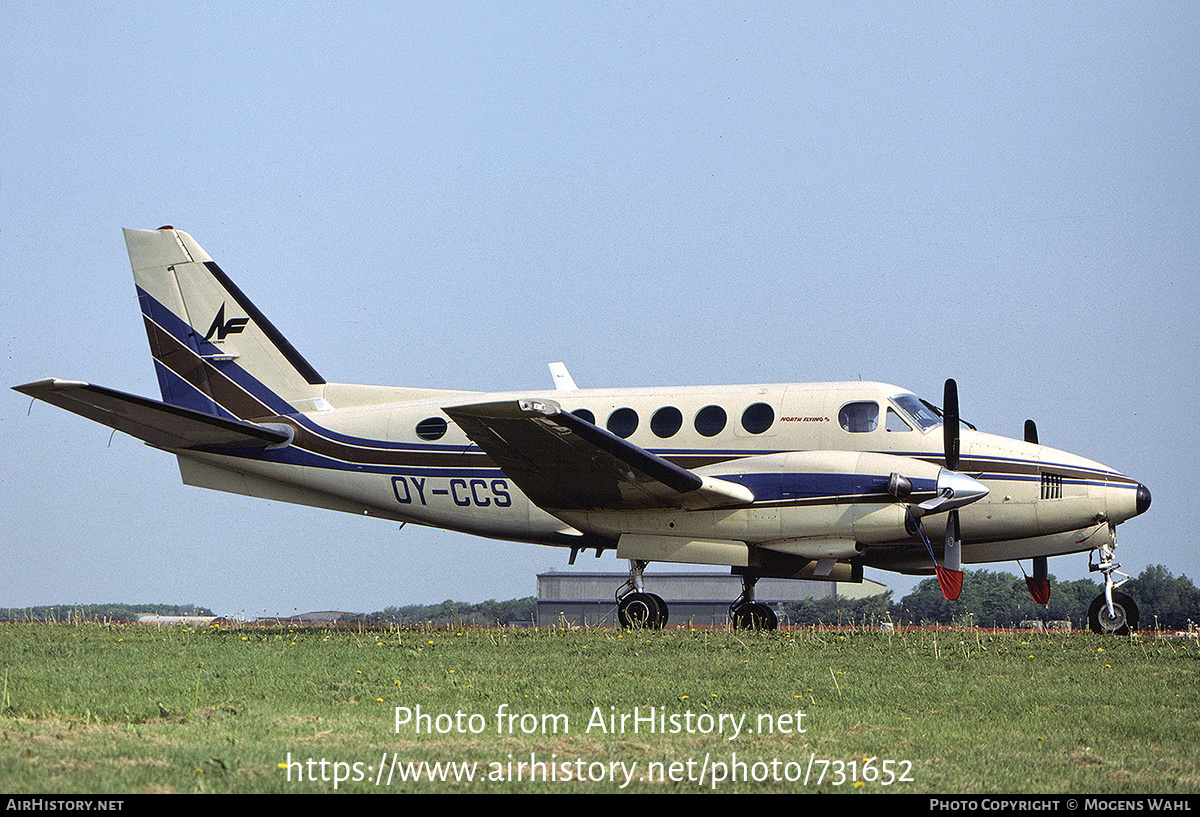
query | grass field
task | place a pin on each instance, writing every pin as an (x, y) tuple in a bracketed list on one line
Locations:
[(89, 708)]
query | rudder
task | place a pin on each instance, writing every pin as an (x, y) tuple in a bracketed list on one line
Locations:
[(213, 350)]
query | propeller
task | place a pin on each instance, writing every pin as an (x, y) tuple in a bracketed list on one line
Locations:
[(1039, 582), (949, 573), (954, 490)]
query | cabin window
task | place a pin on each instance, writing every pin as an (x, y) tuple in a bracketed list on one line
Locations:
[(433, 428), (758, 418), (666, 422), (859, 417), (710, 421), (895, 422), (584, 414), (623, 422)]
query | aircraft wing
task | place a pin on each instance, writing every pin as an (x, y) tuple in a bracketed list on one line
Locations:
[(563, 462), (158, 424)]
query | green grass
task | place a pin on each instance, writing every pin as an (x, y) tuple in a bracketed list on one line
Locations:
[(86, 708)]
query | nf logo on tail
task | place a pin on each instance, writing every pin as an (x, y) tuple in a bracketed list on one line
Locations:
[(220, 327)]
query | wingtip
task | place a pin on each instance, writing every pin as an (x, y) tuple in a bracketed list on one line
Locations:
[(37, 387)]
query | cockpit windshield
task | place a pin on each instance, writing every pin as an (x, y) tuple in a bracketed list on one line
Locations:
[(921, 412)]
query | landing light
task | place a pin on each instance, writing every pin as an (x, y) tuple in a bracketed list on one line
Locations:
[(536, 405)]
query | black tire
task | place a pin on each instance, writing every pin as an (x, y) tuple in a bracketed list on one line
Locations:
[(753, 616), (1125, 620), (663, 612), (641, 611)]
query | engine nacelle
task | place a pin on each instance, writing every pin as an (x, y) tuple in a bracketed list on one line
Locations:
[(818, 505)]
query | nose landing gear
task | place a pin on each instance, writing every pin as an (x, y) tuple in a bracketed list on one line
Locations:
[(1112, 612)]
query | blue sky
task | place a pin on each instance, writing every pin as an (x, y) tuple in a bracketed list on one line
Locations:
[(455, 194)]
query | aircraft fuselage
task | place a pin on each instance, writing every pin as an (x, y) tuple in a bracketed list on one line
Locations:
[(405, 461)]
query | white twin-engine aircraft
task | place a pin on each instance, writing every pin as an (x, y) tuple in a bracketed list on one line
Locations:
[(799, 481)]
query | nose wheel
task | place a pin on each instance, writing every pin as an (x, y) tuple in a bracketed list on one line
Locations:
[(1119, 618)]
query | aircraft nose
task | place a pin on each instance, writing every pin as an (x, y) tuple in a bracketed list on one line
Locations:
[(1143, 498)]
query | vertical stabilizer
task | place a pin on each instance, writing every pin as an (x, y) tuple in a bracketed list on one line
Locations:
[(213, 350)]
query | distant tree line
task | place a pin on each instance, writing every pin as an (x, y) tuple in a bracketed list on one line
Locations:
[(839, 610), (489, 613), (99, 612), (1002, 600), (989, 599)]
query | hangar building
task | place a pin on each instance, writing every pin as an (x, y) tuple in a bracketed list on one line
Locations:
[(701, 599)]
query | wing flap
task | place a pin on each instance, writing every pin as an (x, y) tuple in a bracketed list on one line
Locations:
[(151, 421), (563, 462)]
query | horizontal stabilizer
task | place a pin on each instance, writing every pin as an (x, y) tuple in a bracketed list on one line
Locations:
[(564, 462), (158, 424)]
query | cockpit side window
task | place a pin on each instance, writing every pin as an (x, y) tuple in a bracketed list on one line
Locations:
[(895, 422), (920, 411), (859, 417)]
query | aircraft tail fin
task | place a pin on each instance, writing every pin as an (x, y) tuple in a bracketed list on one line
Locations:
[(214, 351)]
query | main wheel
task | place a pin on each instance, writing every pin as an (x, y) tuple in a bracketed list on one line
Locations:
[(1124, 618), (754, 616), (663, 612), (644, 611)]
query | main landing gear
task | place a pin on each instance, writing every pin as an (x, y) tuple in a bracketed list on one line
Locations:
[(1112, 612), (639, 610), (748, 614)]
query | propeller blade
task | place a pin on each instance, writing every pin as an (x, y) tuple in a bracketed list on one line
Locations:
[(950, 424), (1039, 582), (1039, 589), (949, 573), (1031, 432)]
